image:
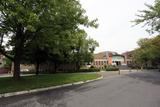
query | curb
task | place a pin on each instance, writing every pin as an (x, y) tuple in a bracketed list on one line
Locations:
[(46, 89)]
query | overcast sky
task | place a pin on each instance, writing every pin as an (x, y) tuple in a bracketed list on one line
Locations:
[(115, 32)]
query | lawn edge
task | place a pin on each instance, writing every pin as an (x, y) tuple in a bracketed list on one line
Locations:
[(4, 95)]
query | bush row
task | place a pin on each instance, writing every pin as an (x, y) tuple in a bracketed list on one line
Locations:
[(111, 68), (90, 70), (81, 70)]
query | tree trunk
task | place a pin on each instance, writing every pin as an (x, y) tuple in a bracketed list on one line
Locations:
[(55, 67), (17, 60), (77, 65), (19, 42), (37, 68), (16, 73)]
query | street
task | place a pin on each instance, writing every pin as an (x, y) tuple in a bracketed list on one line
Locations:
[(138, 89)]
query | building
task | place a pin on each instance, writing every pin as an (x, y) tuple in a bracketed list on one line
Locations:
[(128, 58), (112, 58), (108, 58), (118, 59), (100, 60)]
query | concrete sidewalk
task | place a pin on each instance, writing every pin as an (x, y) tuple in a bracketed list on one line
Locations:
[(11, 75), (114, 73)]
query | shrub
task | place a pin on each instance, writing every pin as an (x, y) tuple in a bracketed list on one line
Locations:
[(83, 70), (92, 66), (111, 68), (90, 70)]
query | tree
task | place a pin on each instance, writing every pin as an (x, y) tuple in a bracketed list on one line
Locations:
[(150, 17), (23, 20), (83, 48), (149, 49), (148, 53)]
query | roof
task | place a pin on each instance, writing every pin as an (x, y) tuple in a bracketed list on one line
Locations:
[(104, 55), (128, 54), (101, 55)]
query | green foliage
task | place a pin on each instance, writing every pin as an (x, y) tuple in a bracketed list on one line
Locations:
[(150, 17), (8, 63), (148, 53), (83, 48), (111, 68), (45, 28)]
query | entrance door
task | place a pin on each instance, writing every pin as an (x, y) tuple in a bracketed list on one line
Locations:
[(118, 63)]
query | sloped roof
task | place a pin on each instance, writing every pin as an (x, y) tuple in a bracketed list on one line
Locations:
[(128, 54), (101, 55), (104, 55)]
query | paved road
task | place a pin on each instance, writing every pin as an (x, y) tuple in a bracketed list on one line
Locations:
[(140, 89)]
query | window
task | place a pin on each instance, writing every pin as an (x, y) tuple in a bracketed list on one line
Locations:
[(102, 62), (96, 63)]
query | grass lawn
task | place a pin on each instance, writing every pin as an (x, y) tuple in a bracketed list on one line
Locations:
[(8, 84)]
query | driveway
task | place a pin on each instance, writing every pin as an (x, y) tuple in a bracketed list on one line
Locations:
[(138, 89)]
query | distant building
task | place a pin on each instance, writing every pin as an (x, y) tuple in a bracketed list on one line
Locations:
[(108, 58), (128, 58), (112, 58), (100, 60), (118, 59)]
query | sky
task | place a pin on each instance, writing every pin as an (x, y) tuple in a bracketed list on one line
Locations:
[(115, 31)]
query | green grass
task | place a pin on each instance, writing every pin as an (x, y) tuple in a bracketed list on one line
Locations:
[(8, 84)]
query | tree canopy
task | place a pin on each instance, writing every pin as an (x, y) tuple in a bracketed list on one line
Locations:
[(148, 53), (24, 22)]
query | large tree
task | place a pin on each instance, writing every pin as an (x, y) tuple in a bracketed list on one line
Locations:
[(73, 48), (149, 49), (23, 20)]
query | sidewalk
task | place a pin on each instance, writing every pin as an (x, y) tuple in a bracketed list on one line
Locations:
[(11, 75), (113, 73)]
